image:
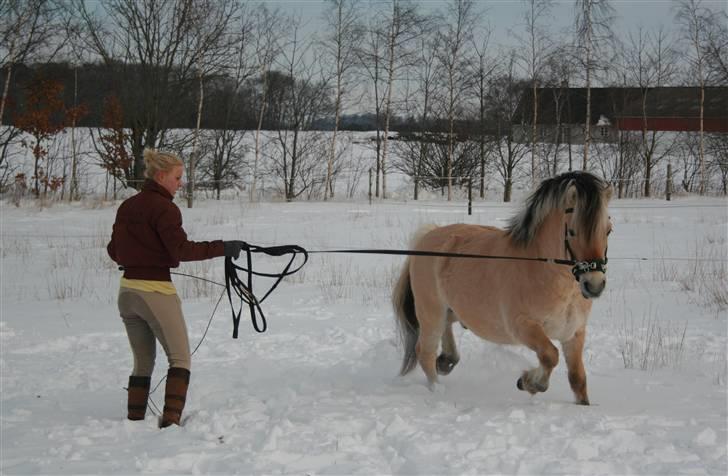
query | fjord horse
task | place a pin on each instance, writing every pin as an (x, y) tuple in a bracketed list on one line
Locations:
[(511, 301)]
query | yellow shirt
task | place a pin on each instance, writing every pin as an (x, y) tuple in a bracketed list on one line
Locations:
[(163, 287)]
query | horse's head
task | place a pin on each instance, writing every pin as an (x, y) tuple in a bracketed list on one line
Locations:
[(588, 226)]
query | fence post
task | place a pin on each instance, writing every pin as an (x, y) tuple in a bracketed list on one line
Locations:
[(470, 195), (668, 186), (370, 186)]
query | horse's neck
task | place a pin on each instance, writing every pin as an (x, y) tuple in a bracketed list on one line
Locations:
[(549, 241)]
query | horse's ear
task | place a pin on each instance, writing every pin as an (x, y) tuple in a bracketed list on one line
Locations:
[(570, 196)]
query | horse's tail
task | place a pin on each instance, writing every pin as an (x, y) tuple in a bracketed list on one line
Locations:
[(409, 329), (403, 300)]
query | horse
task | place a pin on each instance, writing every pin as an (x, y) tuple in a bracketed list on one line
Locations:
[(518, 300)]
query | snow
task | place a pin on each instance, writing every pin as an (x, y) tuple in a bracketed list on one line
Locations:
[(318, 393)]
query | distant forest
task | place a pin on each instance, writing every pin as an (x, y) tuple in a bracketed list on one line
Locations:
[(94, 84)]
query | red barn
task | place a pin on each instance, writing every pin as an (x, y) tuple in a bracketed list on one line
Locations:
[(562, 111)]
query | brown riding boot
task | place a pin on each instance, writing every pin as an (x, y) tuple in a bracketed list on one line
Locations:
[(178, 379), (138, 393)]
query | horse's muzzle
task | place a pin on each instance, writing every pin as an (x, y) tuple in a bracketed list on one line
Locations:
[(592, 284)]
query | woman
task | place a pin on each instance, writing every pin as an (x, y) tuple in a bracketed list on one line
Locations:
[(147, 240)]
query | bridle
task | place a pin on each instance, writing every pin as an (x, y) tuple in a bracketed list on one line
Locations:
[(585, 266)]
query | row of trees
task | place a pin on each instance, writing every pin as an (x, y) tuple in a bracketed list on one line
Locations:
[(255, 67)]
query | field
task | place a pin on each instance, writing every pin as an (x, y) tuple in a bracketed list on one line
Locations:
[(318, 393)]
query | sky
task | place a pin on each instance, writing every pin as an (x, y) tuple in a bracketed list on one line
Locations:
[(507, 15)]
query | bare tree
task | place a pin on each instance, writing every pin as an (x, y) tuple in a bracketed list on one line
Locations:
[(224, 164), (687, 149), (453, 38), (27, 28), (431, 170), (593, 28), (340, 47), (716, 47), (425, 81), (147, 44), (481, 70), (694, 21), (718, 150), (402, 30), (303, 99), (504, 95), (534, 55), (559, 73), (209, 44), (269, 27), (650, 63), (371, 61)]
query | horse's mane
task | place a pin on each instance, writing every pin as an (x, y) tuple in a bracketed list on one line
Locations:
[(551, 194)]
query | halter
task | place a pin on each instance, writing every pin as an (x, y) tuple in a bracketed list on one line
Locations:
[(581, 267)]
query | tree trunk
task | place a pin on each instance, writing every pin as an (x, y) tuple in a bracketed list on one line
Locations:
[(332, 154), (73, 194), (294, 160), (701, 150), (193, 156), (388, 104), (257, 136), (507, 189), (36, 167), (339, 73), (587, 122), (645, 151), (451, 120), (6, 88), (533, 136), (620, 166), (385, 145)]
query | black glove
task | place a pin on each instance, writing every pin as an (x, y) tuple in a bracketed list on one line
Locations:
[(233, 248)]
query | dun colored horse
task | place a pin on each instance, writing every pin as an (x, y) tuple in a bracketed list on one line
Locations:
[(511, 301)]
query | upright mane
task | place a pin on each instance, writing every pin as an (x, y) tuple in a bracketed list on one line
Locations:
[(551, 193)]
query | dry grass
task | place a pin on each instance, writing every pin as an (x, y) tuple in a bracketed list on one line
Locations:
[(650, 344)]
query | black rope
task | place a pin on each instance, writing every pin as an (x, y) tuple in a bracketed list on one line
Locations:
[(244, 290), (444, 254)]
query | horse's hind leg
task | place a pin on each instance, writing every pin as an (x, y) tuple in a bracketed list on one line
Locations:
[(448, 359), (432, 326), (531, 334), (573, 350)]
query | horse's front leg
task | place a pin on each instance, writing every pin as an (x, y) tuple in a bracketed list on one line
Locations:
[(573, 350), (532, 335)]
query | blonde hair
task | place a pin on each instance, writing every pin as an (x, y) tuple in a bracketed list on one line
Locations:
[(155, 161)]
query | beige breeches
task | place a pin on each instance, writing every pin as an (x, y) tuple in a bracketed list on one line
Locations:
[(148, 317)]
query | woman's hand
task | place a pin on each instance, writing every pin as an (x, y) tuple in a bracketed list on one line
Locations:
[(233, 248)]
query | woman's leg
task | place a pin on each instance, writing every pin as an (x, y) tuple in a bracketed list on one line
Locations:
[(143, 347), (163, 314)]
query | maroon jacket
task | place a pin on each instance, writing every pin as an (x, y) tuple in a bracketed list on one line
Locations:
[(148, 237)]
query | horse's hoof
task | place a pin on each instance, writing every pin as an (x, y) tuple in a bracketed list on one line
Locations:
[(445, 364), (583, 401), (533, 388)]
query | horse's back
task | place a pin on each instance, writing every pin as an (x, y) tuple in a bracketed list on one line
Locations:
[(450, 238)]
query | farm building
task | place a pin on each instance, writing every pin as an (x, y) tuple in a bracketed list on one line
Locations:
[(561, 112)]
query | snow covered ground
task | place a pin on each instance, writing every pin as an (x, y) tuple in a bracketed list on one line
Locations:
[(318, 393)]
